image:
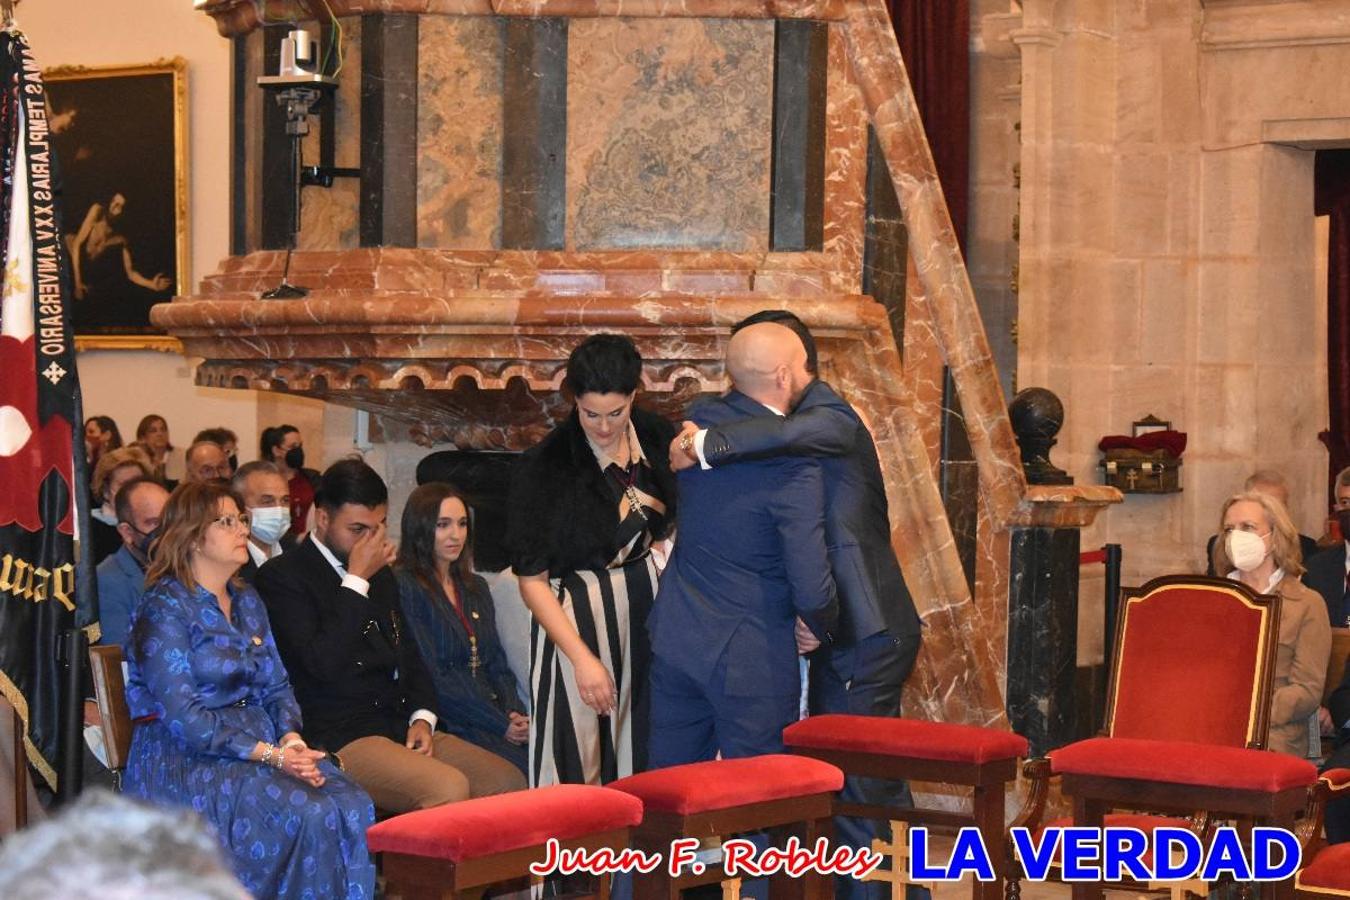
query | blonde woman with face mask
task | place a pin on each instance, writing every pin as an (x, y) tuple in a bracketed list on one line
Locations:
[(1259, 547)]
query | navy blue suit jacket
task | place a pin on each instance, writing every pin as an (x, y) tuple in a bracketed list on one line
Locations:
[(872, 592), (749, 559), (1326, 575), (121, 582)]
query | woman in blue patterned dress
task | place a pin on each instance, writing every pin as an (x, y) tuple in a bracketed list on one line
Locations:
[(218, 726)]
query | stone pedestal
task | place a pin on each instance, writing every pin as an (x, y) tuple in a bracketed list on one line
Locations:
[(1043, 612), (1043, 635)]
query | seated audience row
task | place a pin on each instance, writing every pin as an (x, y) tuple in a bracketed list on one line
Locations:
[(218, 726), (212, 456), (221, 675)]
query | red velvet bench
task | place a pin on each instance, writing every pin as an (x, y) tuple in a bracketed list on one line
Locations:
[(984, 759), (459, 849), (779, 794)]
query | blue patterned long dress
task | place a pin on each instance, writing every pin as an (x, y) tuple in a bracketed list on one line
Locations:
[(216, 688)]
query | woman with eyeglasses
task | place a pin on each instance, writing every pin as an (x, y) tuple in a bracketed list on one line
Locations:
[(1258, 546), (218, 726)]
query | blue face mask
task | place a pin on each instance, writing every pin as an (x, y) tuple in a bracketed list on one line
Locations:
[(269, 523), (140, 547)]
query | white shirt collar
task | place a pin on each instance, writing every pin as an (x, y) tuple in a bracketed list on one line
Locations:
[(774, 410), (260, 556), (328, 555), (1275, 578)]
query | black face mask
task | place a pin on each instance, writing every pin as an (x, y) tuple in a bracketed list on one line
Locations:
[(140, 549), (295, 457)]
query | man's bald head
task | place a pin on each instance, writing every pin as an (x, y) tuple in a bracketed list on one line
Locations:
[(1271, 483), (206, 461), (767, 363)]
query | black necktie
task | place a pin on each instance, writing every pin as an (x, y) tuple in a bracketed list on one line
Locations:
[(1345, 603)]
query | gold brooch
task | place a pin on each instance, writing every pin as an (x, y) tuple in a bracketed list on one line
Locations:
[(257, 641)]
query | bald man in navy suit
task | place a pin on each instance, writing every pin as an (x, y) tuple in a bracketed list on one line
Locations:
[(749, 566)]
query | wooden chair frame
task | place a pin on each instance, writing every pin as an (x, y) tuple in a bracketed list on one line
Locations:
[(807, 816), (1093, 797), (1333, 784), (105, 666), (427, 878), (988, 781)]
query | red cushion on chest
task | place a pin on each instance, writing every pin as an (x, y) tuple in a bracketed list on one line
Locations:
[(487, 825), (1180, 762), (905, 737), (724, 783)]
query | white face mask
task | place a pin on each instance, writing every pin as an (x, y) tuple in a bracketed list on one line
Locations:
[(269, 523), (1246, 550)]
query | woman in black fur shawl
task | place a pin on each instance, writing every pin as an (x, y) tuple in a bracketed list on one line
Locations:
[(586, 506)]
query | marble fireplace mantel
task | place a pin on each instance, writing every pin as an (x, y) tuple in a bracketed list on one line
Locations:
[(415, 311), (470, 348)]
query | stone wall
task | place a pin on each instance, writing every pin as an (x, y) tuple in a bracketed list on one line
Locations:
[(1168, 251)]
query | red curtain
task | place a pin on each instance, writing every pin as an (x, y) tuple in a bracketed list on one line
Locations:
[(935, 42), (1332, 198)]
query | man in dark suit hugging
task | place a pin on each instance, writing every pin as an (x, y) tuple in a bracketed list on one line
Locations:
[(863, 670), (364, 692)]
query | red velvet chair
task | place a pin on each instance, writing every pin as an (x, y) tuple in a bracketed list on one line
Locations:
[(779, 794), (457, 850), (1326, 869), (983, 759), (1186, 719)]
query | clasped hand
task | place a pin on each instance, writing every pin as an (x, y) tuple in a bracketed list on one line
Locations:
[(300, 762), (518, 732)]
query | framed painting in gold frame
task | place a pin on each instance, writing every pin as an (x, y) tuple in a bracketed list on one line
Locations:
[(120, 136)]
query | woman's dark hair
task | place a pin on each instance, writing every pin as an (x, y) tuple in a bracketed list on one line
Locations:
[(144, 428), (350, 481), (273, 437), (106, 423), (604, 364), (417, 540)]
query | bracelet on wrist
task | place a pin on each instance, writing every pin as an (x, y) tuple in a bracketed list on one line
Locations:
[(268, 752)]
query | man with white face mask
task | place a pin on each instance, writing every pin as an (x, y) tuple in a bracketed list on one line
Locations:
[(268, 504), (1259, 548)]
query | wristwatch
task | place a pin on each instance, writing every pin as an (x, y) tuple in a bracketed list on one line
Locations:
[(687, 442)]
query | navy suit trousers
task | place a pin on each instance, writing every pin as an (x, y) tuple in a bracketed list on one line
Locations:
[(864, 679), (692, 722)]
